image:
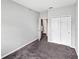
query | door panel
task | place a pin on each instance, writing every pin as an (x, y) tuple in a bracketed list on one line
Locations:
[(54, 30), (63, 31)]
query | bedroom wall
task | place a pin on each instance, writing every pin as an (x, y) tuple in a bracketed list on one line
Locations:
[(67, 11), (44, 14), (19, 26)]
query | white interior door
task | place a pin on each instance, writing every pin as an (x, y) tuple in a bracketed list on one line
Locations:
[(65, 30), (55, 30), (59, 30)]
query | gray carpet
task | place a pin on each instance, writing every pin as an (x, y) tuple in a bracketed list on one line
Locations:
[(44, 50)]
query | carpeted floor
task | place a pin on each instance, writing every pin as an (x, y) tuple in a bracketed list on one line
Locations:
[(44, 50)]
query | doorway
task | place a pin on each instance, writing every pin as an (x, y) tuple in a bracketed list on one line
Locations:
[(44, 27)]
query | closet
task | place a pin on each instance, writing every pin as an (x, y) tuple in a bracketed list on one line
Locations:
[(59, 30)]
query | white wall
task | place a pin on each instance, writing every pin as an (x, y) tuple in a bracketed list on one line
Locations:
[(19, 26), (67, 11), (44, 15)]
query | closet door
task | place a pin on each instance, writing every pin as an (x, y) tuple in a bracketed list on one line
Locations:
[(65, 30), (54, 30), (59, 30)]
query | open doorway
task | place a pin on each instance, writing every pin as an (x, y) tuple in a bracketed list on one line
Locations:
[(44, 27)]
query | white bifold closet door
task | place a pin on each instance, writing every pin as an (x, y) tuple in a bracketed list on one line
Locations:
[(59, 30)]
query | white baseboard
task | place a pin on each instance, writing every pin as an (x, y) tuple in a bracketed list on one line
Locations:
[(30, 41)]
